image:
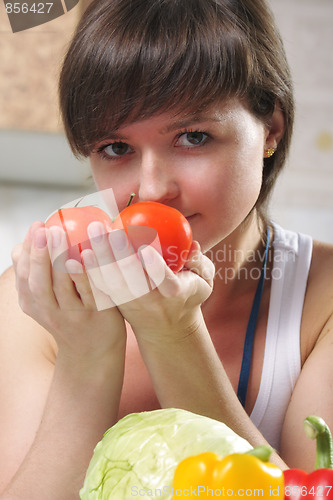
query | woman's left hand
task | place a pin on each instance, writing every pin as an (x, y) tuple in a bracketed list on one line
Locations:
[(150, 296)]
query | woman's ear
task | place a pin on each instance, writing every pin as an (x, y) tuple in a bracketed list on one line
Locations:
[(274, 128)]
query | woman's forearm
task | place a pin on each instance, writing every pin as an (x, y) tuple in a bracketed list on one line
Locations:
[(187, 373), (82, 404)]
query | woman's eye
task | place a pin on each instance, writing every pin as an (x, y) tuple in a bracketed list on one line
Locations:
[(116, 149), (191, 139)]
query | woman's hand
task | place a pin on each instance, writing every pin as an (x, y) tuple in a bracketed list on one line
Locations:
[(84, 394), (59, 296), (151, 297)]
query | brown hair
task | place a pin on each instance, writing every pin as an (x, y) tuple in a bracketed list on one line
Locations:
[(132, 58)]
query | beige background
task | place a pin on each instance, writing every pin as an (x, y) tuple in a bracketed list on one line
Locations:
[(30, 62)]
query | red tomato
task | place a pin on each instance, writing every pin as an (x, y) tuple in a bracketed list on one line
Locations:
[(173, 230), (75, 221)]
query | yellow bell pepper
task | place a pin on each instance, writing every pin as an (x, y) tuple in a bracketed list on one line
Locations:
[(238, 475)]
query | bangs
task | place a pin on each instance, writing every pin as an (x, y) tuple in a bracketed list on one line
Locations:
[(130, 60)]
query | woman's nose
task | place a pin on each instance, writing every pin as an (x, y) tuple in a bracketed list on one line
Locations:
[(157, 180)]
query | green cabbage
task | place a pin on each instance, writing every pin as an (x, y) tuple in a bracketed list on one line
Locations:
[(137, 457)]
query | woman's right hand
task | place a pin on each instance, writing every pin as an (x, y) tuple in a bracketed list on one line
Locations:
[(60, 297)]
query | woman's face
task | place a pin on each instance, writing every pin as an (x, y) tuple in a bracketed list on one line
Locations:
[(208, 166)]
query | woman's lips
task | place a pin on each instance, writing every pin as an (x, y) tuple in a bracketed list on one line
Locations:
[(190, 218)]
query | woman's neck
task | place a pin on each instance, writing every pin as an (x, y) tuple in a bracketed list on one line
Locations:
[(238, 262)]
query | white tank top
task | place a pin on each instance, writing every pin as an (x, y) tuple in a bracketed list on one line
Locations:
[(282, 357)]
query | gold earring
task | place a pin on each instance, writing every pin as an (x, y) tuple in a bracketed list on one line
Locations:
[(269, 152)]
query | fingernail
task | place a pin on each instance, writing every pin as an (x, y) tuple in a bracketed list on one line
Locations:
[(33, 228), (56, 233), (40, 238), (147, 254), (197, 246), (118, 240), (88, 258), (96, 231), (73, 267)]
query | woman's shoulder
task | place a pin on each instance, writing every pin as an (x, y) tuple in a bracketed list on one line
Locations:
[(7, 281), (321, 270), (317, 319), (17, 330)]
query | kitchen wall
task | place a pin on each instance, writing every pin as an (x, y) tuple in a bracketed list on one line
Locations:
[(303, 198), (38, 173)]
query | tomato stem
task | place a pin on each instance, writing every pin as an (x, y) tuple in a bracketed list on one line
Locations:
[(316, 428), (130, 200)]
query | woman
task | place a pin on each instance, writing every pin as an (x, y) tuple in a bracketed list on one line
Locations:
[(188, 104)]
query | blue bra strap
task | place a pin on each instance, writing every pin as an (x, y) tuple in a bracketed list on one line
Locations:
[(251, 327)]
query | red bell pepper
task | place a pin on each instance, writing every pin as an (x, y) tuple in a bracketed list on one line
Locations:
[(317, 485)]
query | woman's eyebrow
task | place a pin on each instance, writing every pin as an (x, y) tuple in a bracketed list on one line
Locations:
[(192, 120), (114, 136), (175, 125)]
